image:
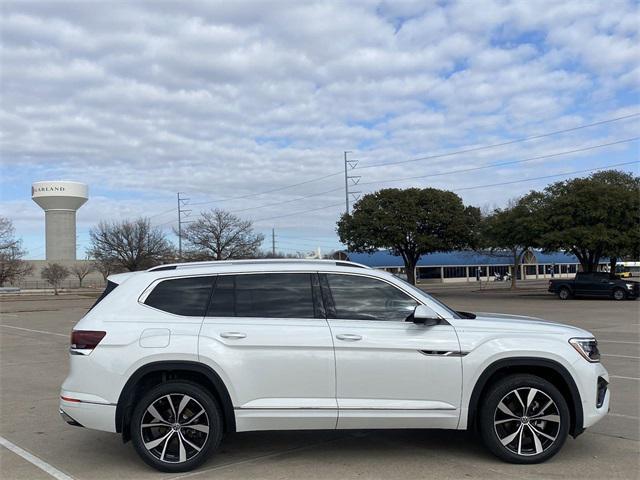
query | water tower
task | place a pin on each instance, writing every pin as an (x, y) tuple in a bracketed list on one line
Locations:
[(60, 200)]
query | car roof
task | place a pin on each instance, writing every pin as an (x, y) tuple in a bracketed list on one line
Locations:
[(261, 265)]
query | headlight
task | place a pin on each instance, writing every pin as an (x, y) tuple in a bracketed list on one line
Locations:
[(587, 347), (630, 286)]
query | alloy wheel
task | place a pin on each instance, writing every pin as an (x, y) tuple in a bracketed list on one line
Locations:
[(527, 421), (174, 428)]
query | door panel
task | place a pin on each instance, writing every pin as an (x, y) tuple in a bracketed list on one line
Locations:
[(279, 364), (390, 373), (281, 371), (392, 379)]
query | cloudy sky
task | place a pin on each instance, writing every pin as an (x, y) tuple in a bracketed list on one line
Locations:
[(248, 106)]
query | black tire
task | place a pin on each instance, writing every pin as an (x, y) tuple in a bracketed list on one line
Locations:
[(496, 427), (196, 429), (564, 293), (619, 294)]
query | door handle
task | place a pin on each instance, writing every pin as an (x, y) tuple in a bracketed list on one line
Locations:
[(349, 337), (233, 335)]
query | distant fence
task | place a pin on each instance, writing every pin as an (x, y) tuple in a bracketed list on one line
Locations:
[(38, 284)]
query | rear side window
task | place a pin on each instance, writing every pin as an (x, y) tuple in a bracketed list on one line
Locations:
[(108, 289), (270, 295), (182, 296)]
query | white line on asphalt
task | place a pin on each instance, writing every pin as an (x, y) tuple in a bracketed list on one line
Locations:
[(623, 416), (41, 464), (618, 356), (624, 378), (256, 458), (36, 331), (616, 341)]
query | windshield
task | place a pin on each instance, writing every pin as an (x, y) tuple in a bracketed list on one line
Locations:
[(419, 291)]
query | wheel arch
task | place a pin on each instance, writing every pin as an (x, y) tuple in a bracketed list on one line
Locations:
[(156, 373), (548, 369), (566, 285)]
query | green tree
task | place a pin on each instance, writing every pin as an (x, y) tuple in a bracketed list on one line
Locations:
[(593, 217), (514, 230), (411, 223)]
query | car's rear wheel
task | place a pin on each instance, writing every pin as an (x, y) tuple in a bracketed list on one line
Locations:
[(564, 293), (524, 419), (619, 294), (175, 426)]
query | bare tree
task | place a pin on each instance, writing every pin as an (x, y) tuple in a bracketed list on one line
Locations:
[(54, 274), (130, 245), (12, 267), (82, 269), (105, 266), (220, 235)]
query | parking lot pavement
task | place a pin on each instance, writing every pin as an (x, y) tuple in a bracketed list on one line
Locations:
[(33, 363)]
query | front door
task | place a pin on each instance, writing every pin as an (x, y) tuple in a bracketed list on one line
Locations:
[(267, 336), (390, 373)]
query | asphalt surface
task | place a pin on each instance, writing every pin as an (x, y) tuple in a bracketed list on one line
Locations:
[(33, 364)]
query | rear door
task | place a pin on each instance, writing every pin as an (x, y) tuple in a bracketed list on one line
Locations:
[(584, 284), (390, 373), (267, 336)]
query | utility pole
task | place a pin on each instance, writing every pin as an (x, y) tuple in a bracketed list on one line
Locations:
[(350, 180), (182, 201), (273, 242)]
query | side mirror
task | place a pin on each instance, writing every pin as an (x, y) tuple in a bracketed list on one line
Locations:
[(423, 315)]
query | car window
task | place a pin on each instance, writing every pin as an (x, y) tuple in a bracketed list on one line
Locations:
[(270, 295), (363, 298), (182, 296)]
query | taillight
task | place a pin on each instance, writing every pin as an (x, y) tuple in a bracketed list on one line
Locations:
[(86, 339)]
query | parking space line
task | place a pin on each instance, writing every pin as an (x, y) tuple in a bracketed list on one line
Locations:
[(617, 341), (618, 356), (32, 459), (622, 416), (257, 458), (624, 378), (36, 331)]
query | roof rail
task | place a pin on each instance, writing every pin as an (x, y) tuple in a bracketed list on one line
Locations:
[(174, 266)]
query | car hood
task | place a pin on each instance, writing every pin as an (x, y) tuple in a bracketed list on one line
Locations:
[(505, 323)]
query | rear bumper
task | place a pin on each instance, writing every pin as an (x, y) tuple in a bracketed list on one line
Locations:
[(98, 416)]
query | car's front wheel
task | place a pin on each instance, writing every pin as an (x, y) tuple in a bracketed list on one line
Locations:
[(524, 419), (175, 426), (564, 293), (619, 294)]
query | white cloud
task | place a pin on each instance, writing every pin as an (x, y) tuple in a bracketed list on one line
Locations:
[(225, 99)]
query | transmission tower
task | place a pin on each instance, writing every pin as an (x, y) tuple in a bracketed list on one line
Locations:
[(350, 180), (182, 202)]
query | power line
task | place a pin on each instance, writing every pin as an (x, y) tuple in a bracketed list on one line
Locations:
[(162, 213), (286, 201), (297, 238), (501, 164), (249, 195), (298, 213), (547, 176), (502, 144)]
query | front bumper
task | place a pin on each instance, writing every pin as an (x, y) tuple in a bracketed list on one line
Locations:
[(595, 393)]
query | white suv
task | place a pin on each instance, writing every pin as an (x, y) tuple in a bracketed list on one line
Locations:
[(177, 356)]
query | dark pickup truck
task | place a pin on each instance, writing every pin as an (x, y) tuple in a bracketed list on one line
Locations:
[(596, 284)]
